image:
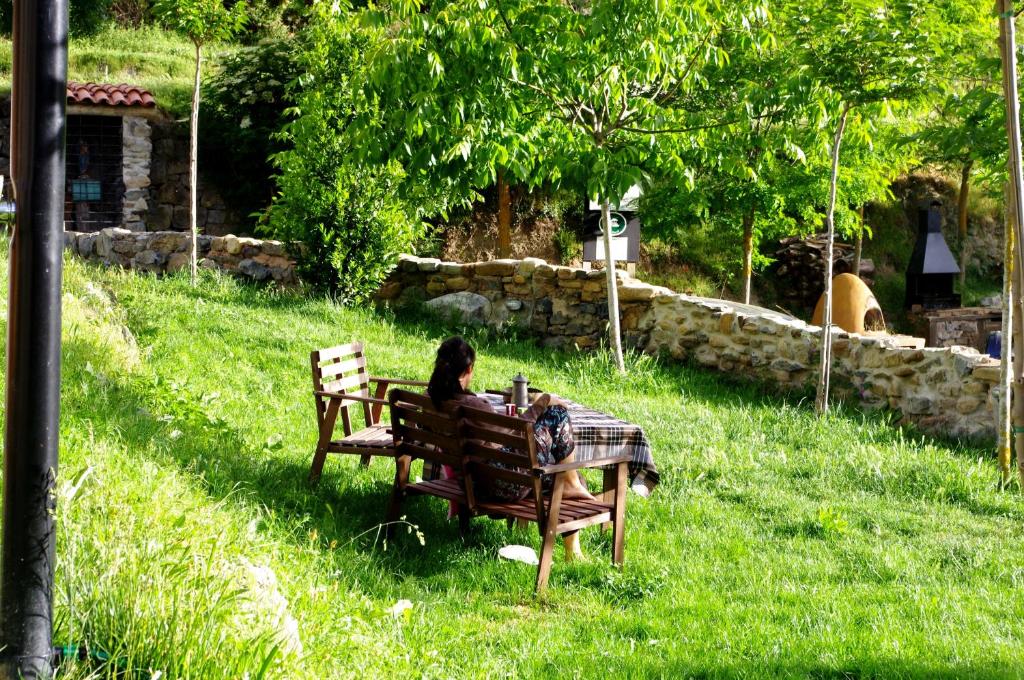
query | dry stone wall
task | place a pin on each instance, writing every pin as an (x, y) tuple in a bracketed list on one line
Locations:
[(949, 391), (168, 251)]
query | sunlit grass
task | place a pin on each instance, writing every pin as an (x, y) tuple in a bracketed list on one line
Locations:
[(778, 544), (158, 60)]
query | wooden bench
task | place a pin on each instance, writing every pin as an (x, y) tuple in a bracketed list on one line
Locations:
[(340, 381), (472, 441)]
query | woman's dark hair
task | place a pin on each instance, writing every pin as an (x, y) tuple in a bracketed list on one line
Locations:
[(454, 357)]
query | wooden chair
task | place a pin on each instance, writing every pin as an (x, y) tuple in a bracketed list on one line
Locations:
[(469, 440), (341, 380), (421, 431), (488, 437)]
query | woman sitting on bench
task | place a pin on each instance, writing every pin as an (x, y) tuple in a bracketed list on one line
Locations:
[(453, 371)]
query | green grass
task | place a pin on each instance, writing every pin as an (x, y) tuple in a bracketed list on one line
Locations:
[(777, 544), (158, 60)]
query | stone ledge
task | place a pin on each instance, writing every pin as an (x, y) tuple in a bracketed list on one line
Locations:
[(167, 251)]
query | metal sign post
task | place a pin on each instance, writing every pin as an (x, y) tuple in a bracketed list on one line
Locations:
[(38, 100)]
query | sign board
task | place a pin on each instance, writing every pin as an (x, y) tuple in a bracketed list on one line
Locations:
[(625, 230)]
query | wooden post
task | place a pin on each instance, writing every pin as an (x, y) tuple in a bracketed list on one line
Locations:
[(1003, 420), (821, 401), (748, 254), (504, 217), (193, 161), (1007, 45), (613, 285)]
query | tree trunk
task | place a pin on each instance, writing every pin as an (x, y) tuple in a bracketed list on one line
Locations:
[(748, 253), (504, 217), (961, 219), (858, 245), (821, 400), (1003, 417), (193, 164), (1007, 44), (613, 289)]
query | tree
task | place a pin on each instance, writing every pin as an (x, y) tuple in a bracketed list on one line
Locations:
[(348, 217), (592, 92), (862, 55), (202, 22), (749, 165)]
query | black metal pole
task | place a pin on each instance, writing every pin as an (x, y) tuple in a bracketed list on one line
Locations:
[(38, 99)]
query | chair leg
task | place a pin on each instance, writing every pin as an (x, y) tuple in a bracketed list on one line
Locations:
[(550, 534), (364, 460), (402, 464), (464, 517), (326, 431), (318, 466), (619, 516)]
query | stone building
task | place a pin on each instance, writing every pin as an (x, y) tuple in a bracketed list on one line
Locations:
[(127, 164)]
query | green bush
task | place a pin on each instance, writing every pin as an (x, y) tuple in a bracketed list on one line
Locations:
[(346, 213)]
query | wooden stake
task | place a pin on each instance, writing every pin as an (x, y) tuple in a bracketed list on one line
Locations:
[(748, 253), (1007, 45), (613, 287), (1003, 421), (821, 402), (193, 161)]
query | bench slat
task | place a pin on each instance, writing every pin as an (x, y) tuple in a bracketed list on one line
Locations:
[(355, 364), (338, 352), (475, 432)]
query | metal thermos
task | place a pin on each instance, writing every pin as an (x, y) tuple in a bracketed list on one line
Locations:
[(519, 393)]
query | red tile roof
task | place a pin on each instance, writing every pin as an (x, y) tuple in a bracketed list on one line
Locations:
[(109, 95)]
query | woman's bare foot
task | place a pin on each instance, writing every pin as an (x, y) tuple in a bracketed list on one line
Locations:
[(572, 547), (577, 493)]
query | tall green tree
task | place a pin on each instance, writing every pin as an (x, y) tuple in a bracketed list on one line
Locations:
[(863, 56), (348, 216), (963, 128), (202, 22), (594, 92)]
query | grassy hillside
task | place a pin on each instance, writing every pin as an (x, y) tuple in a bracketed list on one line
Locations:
[(777, 545), (158, 60)]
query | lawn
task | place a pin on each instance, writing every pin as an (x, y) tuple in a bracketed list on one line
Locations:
[(777, 544)]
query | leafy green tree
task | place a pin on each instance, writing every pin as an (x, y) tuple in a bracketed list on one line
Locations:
[(748, 166), (863, 55), (964, 129), (202, 22), (347, 216), (592, 92)]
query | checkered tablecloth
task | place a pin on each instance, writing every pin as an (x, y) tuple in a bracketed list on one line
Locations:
[(599, 435)]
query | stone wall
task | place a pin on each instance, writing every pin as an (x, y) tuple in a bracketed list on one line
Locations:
[(136, 159), (949, 391), (168, 208), (168, 251)]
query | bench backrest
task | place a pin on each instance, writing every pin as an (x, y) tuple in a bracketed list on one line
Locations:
[(421, 431), (489, 437), (341, 369)]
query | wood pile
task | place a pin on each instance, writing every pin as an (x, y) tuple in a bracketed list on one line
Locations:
[(800, 268)]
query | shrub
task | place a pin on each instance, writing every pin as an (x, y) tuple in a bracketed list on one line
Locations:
[(351, 226)]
